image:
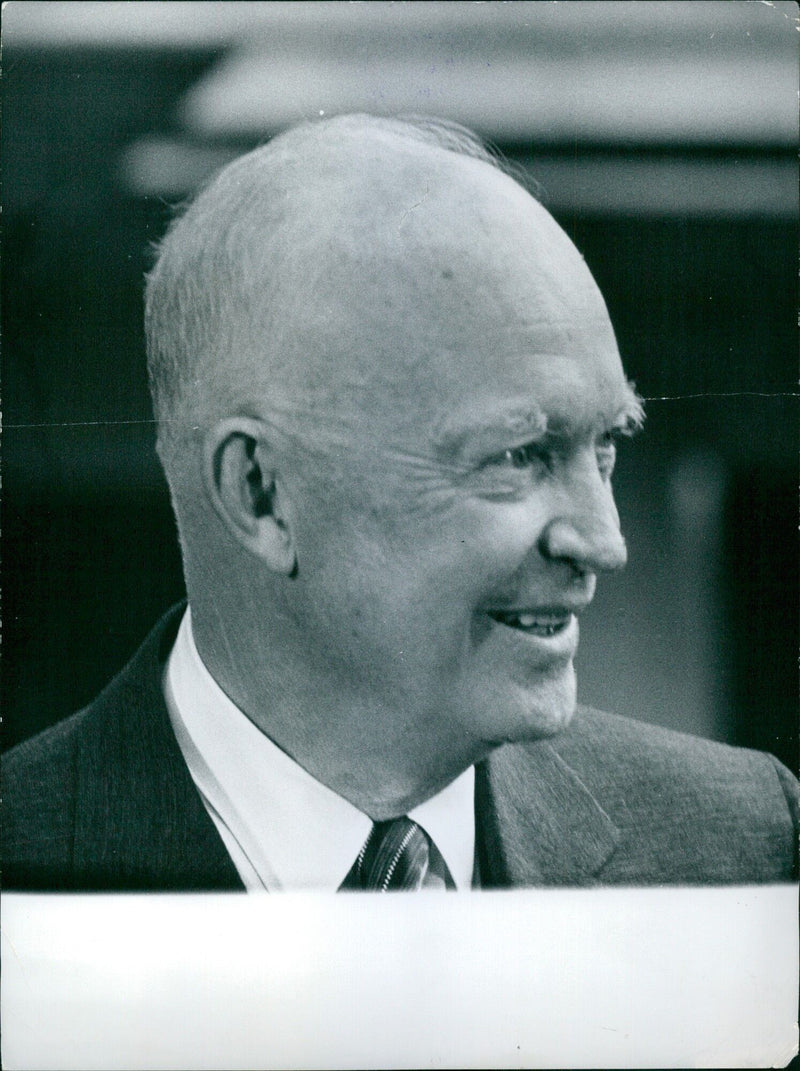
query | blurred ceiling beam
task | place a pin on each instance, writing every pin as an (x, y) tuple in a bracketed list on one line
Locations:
[(631, 72), (216, 23), (667, 96)]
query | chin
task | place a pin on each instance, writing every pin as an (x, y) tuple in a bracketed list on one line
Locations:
[(545, 709)]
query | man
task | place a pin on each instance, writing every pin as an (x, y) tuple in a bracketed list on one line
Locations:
[(387, 392)]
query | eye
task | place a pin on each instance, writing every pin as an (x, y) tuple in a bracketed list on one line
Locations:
[(522, 457), (606, 451)]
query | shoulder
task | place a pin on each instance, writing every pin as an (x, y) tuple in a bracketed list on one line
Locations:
[(52, 759), (63, 785), (634, 753), (712, 811), (46, 760), (39, 779)]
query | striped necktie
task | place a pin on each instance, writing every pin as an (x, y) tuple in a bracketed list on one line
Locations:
[(397, 856)]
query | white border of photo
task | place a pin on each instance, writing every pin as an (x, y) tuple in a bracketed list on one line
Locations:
[(553, 978)]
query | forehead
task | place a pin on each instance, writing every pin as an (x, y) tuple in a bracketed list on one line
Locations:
[(498, 319), (429, 291), (514, 396)]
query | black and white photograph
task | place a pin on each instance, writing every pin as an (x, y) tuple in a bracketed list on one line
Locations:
[(400, 410)]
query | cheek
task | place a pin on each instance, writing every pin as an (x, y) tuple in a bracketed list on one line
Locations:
[(500, 539), (447, 571), (388, 552)]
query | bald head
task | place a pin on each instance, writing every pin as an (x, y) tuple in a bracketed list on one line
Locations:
[(274, 250)]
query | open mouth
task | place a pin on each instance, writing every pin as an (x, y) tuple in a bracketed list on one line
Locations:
[(534, 623)]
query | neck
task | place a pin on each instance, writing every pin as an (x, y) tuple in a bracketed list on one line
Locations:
[(376, 758)]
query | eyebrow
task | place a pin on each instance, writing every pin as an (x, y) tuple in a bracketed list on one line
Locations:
[(477, 433), (459, 434), (630, 416)]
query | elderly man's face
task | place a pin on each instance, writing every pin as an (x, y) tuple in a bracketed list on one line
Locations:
[(456, 502)]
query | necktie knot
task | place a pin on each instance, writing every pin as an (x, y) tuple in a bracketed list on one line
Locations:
[(395, 856)]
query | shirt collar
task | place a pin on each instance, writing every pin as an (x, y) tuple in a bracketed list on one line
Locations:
[(294, 832)]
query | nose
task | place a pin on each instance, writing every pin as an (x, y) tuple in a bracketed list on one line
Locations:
[(584, 530)]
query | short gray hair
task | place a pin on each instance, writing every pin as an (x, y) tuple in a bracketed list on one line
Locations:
[(200, 299)]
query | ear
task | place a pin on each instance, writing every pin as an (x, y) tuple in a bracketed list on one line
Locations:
[(243, 487)]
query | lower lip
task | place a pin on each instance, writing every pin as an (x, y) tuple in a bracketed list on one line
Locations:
[(561, 645)]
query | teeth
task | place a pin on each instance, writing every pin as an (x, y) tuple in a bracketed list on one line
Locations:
[(545, 625)]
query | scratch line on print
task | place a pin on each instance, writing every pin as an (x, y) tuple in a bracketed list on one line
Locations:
[(80, 424), (723, 394), (646, 398)]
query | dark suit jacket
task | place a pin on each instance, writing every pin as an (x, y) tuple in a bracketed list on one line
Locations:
[(104, 801)]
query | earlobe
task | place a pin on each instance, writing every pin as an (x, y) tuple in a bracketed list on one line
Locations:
[(243, 486)]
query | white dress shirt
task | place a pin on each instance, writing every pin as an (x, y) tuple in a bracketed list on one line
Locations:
[(282, 828)]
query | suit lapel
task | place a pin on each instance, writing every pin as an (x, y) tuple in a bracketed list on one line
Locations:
[(536, 822), (139, 820)]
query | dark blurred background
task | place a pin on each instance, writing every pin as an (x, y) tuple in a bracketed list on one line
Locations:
[(664, 138)]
